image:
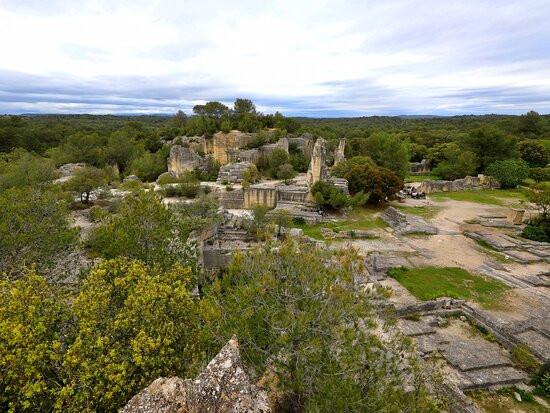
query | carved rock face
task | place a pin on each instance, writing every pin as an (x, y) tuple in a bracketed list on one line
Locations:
[(318, 170), (339, 155), (222, 387), (183, 159)]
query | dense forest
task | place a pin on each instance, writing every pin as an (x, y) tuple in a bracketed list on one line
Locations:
[(89, 317)]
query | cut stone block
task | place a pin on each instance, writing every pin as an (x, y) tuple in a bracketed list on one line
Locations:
[(470, 355), (490, 377)]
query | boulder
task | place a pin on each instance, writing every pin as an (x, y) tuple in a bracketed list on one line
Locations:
[(183, 159), (222, 387), (131, 178), (68, 169)]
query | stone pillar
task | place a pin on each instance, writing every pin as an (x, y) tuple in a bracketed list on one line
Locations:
[(318, 170), (515, 216), (339, 154)]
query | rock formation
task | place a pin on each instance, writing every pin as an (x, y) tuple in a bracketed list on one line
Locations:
[(233, 172), (407, 224), (470, 182), (318, 170), (339, 154), (183, 159), (222, 387)]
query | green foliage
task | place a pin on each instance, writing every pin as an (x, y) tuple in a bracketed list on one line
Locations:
[(456, 164), (149, 166), (134, 324), (377, 183), (80, 147), (326, 195), (282, 219), (286, 172), (388, 151), (226, 126), (508, 173), (524, 359), (85, 180), (299, 161), (531, 124), (144, 229), (429, 283), (540, 174), (22, 168), (533, 153), (34, 322), (249, 123), (215, 110), (259, 221), (482, 196), (490, 144), (34, 228), (251, 175), (318, 362), (417, 152), (277, 158), (535, 233), (121, 148), (243, 106), (96, 213), (187, 190)]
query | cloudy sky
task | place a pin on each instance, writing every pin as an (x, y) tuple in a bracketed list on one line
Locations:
[(311, 58)]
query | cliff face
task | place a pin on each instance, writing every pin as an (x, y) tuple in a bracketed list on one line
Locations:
[(223, 386)]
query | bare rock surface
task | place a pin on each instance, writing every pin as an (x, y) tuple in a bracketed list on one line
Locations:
[(223, 386), (404, 224)]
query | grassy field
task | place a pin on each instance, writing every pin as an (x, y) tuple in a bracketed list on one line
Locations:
[(360, 218), (431, 282), (482, 196), (423, 211)]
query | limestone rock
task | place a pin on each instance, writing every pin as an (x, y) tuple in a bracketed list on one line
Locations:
[(339, 155), (222, 387), (470, 182), (407, 224), (318, 170), (131, 178), (69, 169), (233, 172), (183, 159)]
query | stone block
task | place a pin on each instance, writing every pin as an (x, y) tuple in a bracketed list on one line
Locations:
[(515, 216)]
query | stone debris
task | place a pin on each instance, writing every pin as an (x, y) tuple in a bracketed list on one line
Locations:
[(222, 387), (407, 224)]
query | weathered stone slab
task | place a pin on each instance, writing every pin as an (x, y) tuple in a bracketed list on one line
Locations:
[(404, 224), (470, 355), (537, 342), (523, 256), (490, 377), (416, 328)]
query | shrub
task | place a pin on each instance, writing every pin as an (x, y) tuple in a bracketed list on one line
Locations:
[(522, 357), (508, 173), (535, 233), (328, 196), (96, 213), (540, 174), (187, 190), (298, 220), (149, 166)]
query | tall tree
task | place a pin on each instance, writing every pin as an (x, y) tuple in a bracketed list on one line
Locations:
[(490, 144), (242, 106)]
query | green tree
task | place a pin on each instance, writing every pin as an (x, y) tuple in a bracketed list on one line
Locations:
[(134, 324), (490, 144), (259, 221), (508, 173), (85, 180), (303, 320), (540, 174), (249, 123), (531, 124), (23, 168), (149, 166), (251, 175), (144, 229), (387, 150), (226, 126), (330, 197), (180, 119), (277, 158), (533, 153), (286, 172), (34, 330), (282, 219), (34, 228), (80, 147), (456, 163), (121, 148), (216, 110), (242, 106)]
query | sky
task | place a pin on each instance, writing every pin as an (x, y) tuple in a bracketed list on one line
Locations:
[(322, 58)]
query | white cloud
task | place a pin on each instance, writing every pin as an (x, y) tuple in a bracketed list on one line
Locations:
[(356, 56)]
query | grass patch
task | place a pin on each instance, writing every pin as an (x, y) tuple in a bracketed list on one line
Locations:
[(482, 196), (358, 219), (420, 178), (503, 401), (426, 212), (429, 283)]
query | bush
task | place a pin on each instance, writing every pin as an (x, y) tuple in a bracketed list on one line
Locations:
[(522, 357), (535, 233), (508, 173), (96, 213), (187, 190), (540, 174), (298, 221), (149, 166), (327, 196)]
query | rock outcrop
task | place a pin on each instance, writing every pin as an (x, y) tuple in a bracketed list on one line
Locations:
[(470, 182), (404, 224), (233, 172), (339, 154), (222, 387), (183, 159), (318, 170)]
